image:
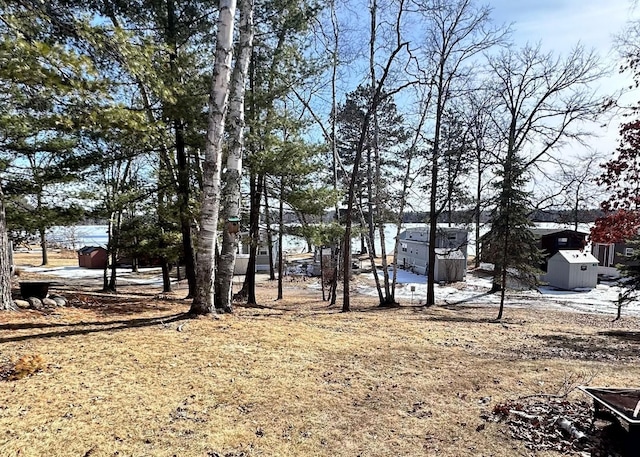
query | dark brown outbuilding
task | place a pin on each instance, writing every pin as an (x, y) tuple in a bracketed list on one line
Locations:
[(92, 257)]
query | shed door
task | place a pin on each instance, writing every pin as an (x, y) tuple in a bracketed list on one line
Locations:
[(583, 275)]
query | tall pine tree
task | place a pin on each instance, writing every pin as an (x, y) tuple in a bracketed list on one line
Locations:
[(510, 244)]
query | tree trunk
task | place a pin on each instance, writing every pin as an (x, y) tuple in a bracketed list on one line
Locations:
[(503, 273), (335, 259), (135, 261), (203, 302), (231, 195), (105, 273), (43, 245), (166, 279), (576, 209), (184, 213), (115, 242), (5, 260), (255, 189), (280, 233), (269, 230), (433, 197), (503, 289), (183, 188), (371, 229), (477, 212)]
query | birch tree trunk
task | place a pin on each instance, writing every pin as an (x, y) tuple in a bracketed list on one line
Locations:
[(203, 302), (5, 260), (232, 178)]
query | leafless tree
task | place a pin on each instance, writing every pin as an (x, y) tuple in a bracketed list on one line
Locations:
[(545, 101), (577, 178), (457, 32), (379, 75), (479, 105)]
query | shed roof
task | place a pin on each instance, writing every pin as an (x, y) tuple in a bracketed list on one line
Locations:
[(540, 232), (573, 256), (89, 249), (425, 230)]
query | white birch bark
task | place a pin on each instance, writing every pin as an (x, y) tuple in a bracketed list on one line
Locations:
[(231, 194), (5, 258), (203, 302)]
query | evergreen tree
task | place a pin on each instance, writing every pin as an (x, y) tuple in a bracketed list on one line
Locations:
[(49, 93), (169, 71), (510, 244), (278, 65), (384, 138)]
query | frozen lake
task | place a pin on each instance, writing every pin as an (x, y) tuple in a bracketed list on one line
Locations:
[(96, 235)]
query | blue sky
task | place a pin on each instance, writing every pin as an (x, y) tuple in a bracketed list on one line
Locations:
[(560, 24)]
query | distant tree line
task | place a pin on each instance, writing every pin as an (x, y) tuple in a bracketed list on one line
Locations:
[(559, 216)]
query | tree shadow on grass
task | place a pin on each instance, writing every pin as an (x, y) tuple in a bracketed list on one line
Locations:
[(386, 309), (455, 304), (110, 305), (473, 320), (579, 347), (622, 335), (89, 327)]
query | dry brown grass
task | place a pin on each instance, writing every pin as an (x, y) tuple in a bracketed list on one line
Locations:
[(131, 376), (56, 258)]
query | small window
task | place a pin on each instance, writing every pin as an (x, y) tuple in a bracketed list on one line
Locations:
[(263, 251), (452, 237), (583, 267), (563, 241), (628, 252), (404, 247)]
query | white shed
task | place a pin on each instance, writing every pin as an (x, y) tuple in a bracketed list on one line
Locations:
[(569, 269)]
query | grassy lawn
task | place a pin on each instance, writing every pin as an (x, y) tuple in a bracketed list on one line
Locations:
[(132, 377)]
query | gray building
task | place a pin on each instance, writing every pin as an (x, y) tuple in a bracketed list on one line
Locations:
[(570, 269), (451, 252)]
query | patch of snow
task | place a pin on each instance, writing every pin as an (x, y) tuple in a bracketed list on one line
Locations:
[(474, 291), (123, 274)]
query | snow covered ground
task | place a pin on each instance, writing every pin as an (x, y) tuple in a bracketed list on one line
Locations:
[(146, 276), (474, 292)]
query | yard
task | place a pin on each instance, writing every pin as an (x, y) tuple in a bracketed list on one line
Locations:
[(129, 375)]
